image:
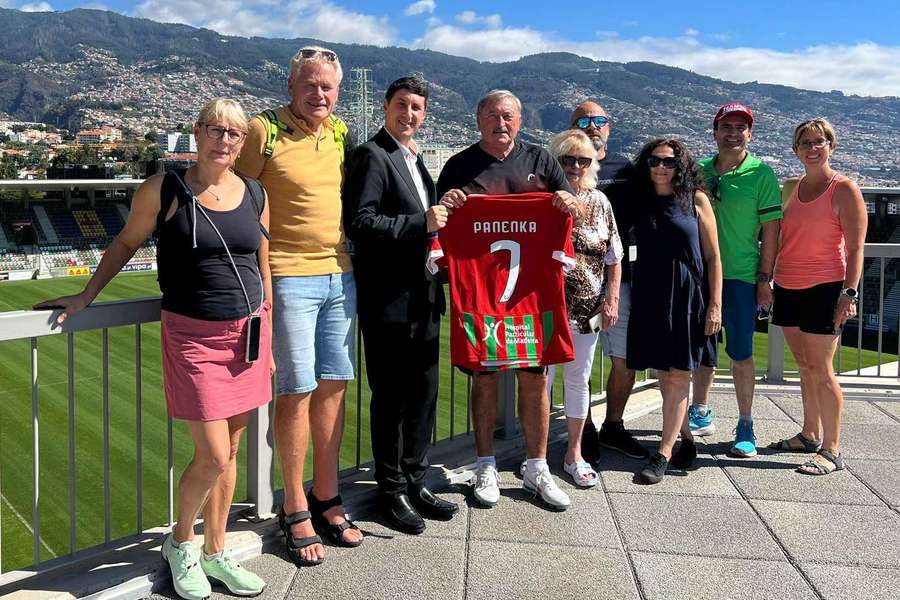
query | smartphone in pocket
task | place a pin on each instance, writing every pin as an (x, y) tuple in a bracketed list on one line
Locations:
[(254, 326), (596, 323)]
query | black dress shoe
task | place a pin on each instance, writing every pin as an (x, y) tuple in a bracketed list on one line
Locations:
[(430, 505), (400, 514)]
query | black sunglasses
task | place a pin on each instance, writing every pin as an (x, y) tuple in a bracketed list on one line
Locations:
[(669, 162), (567, 160), (585, 122)]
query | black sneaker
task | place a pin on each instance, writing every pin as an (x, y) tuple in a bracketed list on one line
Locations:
[(685, 455), (614, 436), (655, 469)]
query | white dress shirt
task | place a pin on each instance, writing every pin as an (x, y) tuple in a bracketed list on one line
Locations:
[(411, 158)]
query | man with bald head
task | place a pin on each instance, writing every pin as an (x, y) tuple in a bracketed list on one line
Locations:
[(614, 180)]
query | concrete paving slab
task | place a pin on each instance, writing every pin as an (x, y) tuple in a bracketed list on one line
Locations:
[(871, 440), (772, 477), (719, 527), (705, 578), (547, 571), (519, 517), (836, 582), (868, 535), (855, 411), (704, 478), (882, 475), (396, 569), (891, 407), (725, 406), (646, 427)]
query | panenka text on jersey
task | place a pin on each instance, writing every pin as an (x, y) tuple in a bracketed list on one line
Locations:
[(505, 257)]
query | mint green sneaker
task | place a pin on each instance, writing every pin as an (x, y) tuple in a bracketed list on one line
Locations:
[(187, 577), (227, 571)]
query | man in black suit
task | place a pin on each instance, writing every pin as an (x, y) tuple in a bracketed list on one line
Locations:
[(390, 214)]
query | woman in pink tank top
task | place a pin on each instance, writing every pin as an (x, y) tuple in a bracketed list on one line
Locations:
[(817, 271)]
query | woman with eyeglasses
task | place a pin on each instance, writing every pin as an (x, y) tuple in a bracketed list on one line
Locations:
[(676, 308), (590, 307), (817, 270), (212, 254)]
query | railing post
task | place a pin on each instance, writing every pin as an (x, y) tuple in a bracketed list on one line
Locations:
[(775, 366), (506, 425), (259, 461)]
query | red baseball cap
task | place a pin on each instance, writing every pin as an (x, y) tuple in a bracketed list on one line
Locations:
[(734, 108)]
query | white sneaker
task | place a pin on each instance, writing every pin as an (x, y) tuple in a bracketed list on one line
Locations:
[(542, 483), (487, 485)]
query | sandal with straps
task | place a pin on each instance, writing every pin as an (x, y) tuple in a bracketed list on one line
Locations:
[(582, 473), (798, 443), (334, 532), (817, 467), (295, 544)]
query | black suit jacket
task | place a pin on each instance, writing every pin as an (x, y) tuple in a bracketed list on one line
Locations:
[(385, 220)]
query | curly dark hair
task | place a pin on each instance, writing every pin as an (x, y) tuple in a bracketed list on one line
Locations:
[(687, 180)]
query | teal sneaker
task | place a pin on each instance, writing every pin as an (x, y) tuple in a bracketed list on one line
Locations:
[(188, 578), (701, 425), (744, 439), (222, 568)]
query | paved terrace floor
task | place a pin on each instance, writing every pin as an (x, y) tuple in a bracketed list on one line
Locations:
[(730, 528)]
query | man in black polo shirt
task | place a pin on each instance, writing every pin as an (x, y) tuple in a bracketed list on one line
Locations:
[(614, 180), (498, 164)]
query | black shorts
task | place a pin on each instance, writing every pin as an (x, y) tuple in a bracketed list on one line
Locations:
[(535, 370), (810, 309)]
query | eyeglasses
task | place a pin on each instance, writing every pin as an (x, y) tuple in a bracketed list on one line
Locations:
[(217, 132), (668, 162), (567, 160), (815, 144), (585, 122), (313, 52)]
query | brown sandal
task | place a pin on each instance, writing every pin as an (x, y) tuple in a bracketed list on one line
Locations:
[(798, 443)]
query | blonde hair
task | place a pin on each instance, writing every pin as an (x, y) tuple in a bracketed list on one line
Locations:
[(299, 61), (575, 139), (818, 125), (223, 110)]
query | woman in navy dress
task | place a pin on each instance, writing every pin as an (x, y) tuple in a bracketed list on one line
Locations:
[(676, 289)]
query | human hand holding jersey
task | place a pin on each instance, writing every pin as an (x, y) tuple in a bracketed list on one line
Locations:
[(505, 256)]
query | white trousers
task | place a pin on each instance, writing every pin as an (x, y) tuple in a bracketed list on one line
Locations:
[(576, 375)]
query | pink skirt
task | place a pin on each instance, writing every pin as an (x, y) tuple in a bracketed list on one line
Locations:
[(204, 372)]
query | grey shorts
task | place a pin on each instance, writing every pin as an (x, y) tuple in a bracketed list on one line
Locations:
[(614, 340)]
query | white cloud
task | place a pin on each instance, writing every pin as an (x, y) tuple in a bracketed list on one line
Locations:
[(470, 17), (691, 32), (36, 7), (422, 6), (7, 4), (864, 68), (319, 19)]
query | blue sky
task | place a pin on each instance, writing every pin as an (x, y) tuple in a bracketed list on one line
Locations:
[(824, 45)]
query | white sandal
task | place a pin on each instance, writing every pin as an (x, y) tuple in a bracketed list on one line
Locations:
[(582, 474)]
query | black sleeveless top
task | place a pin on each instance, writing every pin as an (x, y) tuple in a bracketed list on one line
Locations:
[(200, 282)]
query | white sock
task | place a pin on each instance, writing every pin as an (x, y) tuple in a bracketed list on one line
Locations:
[(483, 461), (212, 556), (533, 465)]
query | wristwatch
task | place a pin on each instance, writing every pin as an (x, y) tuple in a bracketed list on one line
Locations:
[(763, 277), (852, 294)]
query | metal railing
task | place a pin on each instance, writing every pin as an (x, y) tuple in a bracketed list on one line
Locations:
[(869, 311)]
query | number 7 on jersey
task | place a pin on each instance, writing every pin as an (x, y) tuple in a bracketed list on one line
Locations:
[(514, 254)]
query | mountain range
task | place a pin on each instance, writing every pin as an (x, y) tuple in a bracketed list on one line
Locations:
[(82, 67)]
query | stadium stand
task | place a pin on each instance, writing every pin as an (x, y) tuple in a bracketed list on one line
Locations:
[(89, 223), (11, 260)]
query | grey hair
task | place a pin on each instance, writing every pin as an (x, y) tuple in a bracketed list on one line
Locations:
[(495, 96), (298, 62)]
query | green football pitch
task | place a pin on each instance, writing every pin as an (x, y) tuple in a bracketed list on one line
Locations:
[(16, 453)]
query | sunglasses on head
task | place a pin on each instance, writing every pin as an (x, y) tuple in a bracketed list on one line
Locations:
[(585, 122), (567, 160), (313, 52), (669, 162)]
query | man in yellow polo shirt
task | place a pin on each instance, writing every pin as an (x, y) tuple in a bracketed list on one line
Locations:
[(297, 153)]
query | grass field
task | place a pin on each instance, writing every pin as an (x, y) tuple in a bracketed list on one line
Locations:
[(16, 427)]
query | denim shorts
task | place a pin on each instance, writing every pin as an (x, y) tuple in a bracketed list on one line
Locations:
[(614, 340), (738, 317), (315, 327)]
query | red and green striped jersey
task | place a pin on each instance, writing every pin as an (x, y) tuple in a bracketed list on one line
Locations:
[(505, 257)]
